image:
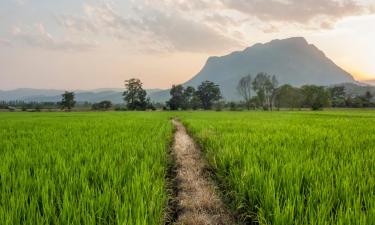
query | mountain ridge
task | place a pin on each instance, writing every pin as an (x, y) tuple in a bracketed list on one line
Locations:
[(292, 60)]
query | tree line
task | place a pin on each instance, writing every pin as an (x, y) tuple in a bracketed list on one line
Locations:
[(263, 92), (257, 92)]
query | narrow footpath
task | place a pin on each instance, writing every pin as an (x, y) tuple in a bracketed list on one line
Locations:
[(197, 201)]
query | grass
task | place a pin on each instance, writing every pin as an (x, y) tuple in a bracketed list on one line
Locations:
[(110, 168), (83, 168), (292, 167)]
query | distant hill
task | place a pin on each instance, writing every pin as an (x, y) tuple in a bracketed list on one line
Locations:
[(369, 82), (292, 61), (358, 89), (44, 95)]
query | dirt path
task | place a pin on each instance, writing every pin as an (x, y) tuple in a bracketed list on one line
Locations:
[(197, 202)]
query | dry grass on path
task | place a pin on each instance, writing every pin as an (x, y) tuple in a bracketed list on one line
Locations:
[(197, 201)]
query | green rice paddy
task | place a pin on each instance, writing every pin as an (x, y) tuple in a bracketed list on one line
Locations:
[(110, 168)]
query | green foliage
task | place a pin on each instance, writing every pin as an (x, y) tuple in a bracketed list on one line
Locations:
[(103, 105), (83, 168), (305, 168), (265, 87), (288, 97), (315, 97), (338, 96), (134, 95), (208, 93), (177, 100), (67, 101), (182, 98), (244, 88)]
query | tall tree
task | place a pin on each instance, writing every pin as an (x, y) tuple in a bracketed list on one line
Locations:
[(338, 96), (208, 92), (288, 97), (67, 101), (265, 86), (134, 95), (177, 97), (315, 97), (272, 87), (189, 94), (244, 88)]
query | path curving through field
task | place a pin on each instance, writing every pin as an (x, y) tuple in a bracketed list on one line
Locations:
[(197, 201)]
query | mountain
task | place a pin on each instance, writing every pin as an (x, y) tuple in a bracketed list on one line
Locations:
[(293, 61), (369, 82), (358, 89), (45, 95)]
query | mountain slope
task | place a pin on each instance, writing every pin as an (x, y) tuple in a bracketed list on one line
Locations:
[(292, 61), (43, 95)]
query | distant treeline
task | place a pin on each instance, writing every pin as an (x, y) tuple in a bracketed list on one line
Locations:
[(263, 92), (259, 92)]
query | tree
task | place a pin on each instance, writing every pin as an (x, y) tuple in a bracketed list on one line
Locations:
[(177, 97), (367, 99), (244, 88), (195, 102), (181, 98), (189, 94), (208, 92), (134, 95), (67, 101), (338, 96), (315, 97), (103, 105), (272, 87), (288, 97), (265, 86)]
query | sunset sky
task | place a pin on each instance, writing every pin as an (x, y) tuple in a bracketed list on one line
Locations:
[(87, 44)]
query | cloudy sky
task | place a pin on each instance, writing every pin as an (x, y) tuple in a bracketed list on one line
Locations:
[(87, 44)]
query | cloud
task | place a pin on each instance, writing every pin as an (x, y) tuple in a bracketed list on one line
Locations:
[(37, 36), (270, 29), (298, 11), (311, 14), (5, 42), (20, 2), (205, 25), (150, 26)]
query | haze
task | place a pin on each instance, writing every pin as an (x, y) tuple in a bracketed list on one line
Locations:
[(77, 44)]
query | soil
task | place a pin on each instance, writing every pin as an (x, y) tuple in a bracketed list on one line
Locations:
[(197, 201)]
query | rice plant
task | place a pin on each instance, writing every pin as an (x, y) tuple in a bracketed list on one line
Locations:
[(83, 168), (292, 167)]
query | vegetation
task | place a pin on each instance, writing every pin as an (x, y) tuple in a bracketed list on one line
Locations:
[(103, 105), (275, 168), (83, 168), (208, 92), (244, 89), (292, 167), (265, 86), (262, 92), (206, 95), (268, 95), (135, 95), (182, 98), (67, 101)]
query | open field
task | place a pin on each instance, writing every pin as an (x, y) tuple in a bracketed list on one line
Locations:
[(83, 168), (293, 167), (110, 168)]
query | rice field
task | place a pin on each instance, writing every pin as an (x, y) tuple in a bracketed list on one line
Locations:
[(83, 168), (292, 167), (110, 168)]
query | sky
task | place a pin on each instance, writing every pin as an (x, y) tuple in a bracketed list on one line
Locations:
[(88, 44)]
